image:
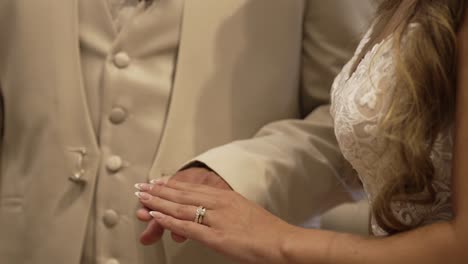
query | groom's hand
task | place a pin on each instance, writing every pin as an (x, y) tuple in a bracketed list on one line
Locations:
[(197, 175)]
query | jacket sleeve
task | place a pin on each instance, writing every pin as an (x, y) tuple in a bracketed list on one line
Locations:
[(293, 167)]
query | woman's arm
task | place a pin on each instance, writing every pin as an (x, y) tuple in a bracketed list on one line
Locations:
[(435, 244), (243, 231)]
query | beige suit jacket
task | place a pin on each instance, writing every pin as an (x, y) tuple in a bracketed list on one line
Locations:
[(242, 65)]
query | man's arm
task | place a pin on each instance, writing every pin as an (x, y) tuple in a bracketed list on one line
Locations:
[(293, 163)]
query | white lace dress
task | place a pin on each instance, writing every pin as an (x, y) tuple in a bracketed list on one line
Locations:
[(360, 100)]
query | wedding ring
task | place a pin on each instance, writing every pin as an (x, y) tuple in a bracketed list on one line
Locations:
[(201, 211)]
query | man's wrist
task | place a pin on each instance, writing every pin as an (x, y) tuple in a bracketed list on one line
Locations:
[(197, 164), (199, 172)]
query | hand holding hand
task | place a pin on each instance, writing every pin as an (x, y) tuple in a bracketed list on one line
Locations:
[(154, 231)]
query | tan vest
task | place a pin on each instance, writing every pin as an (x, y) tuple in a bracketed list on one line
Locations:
[(122, 69)]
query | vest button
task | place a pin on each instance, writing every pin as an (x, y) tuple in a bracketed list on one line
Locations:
[(118, 115), (122, 60), (114, 163), (112, 261), (111, 218)]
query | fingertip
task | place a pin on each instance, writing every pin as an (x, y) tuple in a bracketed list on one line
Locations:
[(143, 215), (160, 181), (177, 238), (157, 215), (152, 233)]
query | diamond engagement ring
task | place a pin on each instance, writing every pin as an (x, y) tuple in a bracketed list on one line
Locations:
[(201, 211)]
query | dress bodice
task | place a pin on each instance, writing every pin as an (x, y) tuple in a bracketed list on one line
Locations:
[(360, 101)]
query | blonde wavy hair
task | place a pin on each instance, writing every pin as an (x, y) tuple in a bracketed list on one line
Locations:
[(427, 73)]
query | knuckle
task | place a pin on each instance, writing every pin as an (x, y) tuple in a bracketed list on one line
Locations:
[(156, 189), (174, 181), (170, 221), (181, 211), (217, 203), (218, 238), (155, 202), (227, 200), (178, 211), (184, 228), (184, 194)]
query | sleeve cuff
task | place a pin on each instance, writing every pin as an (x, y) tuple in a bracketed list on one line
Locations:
[(229, 163)]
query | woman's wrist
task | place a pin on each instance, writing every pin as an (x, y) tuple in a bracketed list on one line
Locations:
[(287, 243), (301, 245), (271, 249)]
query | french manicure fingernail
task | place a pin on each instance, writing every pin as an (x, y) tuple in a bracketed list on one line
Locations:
[(144, 186), (143, 196), (156, 215), (158, 182)]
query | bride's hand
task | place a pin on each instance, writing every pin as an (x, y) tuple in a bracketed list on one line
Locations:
[(232, 225)]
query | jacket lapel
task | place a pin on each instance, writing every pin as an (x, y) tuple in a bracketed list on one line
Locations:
[(78, 135), (97, 12), (201, 25)]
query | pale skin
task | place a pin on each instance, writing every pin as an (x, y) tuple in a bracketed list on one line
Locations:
[(154, 230), (247, 233)]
